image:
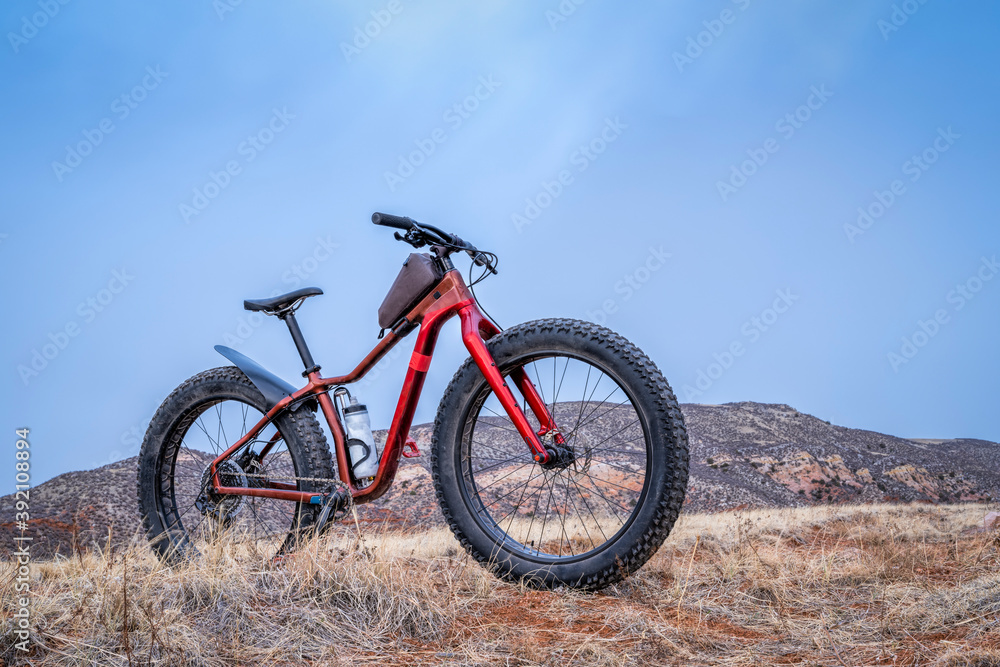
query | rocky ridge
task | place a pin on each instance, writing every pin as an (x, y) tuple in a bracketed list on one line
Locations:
[(743, 455)]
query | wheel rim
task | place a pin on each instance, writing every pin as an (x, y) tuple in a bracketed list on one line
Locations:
[(558, 515), (257, 527)]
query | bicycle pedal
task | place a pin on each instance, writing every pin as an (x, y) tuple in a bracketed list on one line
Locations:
[(410, 449)]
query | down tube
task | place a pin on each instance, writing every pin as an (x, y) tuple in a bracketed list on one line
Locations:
[(420, 362)]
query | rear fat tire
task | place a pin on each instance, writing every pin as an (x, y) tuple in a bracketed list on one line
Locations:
[(667, 447), (300, 431)]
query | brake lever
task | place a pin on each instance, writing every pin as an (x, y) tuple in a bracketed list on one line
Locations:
[(411, 238)]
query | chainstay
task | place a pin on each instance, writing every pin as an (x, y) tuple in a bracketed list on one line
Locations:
[(336, 483)]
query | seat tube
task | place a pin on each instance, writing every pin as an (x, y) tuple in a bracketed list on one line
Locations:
[(473, 340), (300, 343)]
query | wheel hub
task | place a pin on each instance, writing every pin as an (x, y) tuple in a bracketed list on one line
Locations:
[(560, 455), (223, 507)]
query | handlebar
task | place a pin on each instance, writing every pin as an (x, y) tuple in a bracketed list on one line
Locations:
[(418, 234)]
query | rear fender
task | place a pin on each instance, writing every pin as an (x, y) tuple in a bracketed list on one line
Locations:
[(270, 385)]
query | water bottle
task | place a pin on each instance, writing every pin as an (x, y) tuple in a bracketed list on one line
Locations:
[(360, 441)]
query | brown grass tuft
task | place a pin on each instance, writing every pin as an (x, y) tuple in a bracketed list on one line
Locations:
[(866, 585)]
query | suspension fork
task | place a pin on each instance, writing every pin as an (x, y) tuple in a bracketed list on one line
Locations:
[(474, 329)]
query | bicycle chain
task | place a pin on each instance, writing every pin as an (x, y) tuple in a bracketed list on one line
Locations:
[(296, 479)]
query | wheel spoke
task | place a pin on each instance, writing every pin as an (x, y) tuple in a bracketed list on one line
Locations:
[(497, 465), (497, 481), (583, 499), (577, 428), (215, 444), (555, 399), (587, 400), (615, 433), (509, 493), (534, 513), (604, 462), (512, 430), (222, 427), (545, 516), (610, 502), (513, 511), (538, 381)]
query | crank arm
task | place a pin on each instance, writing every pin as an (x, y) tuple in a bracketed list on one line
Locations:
[(332, 503)]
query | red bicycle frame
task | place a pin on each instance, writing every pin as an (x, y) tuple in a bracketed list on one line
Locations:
[(450, 297)]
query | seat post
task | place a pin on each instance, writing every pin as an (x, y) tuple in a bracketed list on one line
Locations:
[(300, 342)]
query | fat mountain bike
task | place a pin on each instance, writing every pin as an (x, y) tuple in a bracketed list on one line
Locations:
[(559, 455)]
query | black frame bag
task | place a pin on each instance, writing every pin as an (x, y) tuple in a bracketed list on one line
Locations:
[(419, 275)]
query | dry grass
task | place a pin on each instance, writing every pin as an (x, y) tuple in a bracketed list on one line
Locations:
[(868, 585)]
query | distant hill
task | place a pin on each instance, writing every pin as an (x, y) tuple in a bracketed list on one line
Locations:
[(742, 455), (766, 455)]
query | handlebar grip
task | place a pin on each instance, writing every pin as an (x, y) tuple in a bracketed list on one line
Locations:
[(396, 221)]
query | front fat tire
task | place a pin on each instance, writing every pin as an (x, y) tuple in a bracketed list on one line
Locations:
[(665, 484)]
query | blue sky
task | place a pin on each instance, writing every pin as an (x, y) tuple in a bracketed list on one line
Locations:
[(688, 173)]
